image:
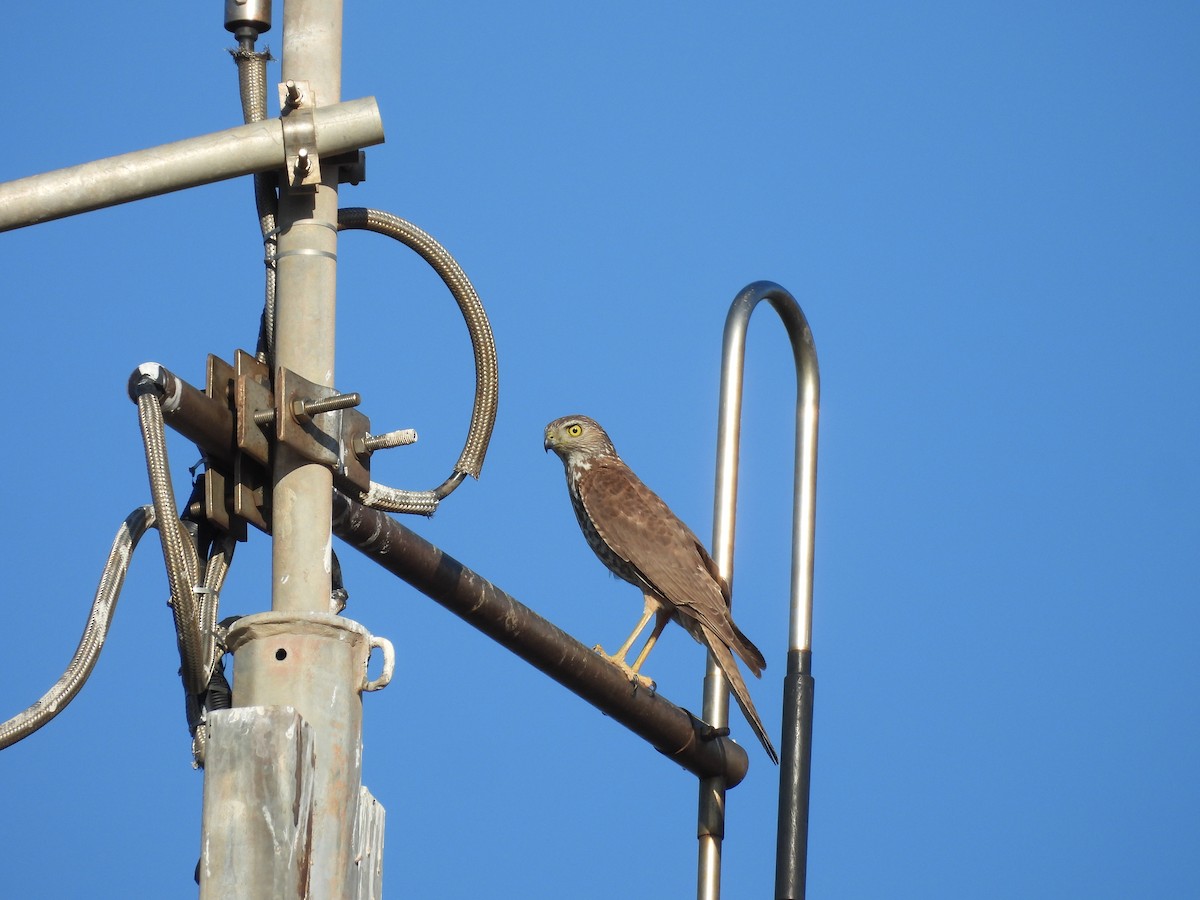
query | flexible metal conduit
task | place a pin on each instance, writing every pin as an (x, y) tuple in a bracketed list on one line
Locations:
[(252, 88), (487, 376), (203, 611), (195, 591), (91, 643), (215, 572), (179, 553), (673, 731)]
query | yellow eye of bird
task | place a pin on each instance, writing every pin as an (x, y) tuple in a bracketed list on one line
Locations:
[(574, 429)]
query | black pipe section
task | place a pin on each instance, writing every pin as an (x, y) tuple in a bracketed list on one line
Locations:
[(206, 422), (791, 857), (675, 732)]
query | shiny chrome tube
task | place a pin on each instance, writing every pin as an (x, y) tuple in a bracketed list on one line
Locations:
[(798, 685)]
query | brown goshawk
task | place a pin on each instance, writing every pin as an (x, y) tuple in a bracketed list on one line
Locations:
[(641, 541)]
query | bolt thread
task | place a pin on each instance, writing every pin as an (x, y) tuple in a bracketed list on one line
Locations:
[(328, 404), (392, 439)]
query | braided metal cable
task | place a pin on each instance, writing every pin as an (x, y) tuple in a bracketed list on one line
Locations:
[(380, 496), (252, 87), (214, 579), (63, 691), (487, 378), (179, 553), (217, 693)]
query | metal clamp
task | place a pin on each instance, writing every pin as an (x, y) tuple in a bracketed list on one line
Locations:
[(318, 423), (296, 105)]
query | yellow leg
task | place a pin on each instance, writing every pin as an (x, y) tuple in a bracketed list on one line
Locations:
[(618, 658), (624, 651), (659, 624)]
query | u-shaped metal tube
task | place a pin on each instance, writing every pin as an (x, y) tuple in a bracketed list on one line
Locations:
[(798, 687)]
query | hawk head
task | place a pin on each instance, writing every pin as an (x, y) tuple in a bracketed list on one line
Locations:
[(577, 439)]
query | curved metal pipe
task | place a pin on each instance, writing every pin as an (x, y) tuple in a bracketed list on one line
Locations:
[(798, 685)]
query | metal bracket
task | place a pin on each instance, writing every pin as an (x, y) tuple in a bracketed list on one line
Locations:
[(253, 395), (238, 419), (325, 437), (296, 105), (351, 167), (220, 485)]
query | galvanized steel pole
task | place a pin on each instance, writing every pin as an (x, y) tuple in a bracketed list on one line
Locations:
[(301, 655), (304, 333), (797, 719), (302, 492)]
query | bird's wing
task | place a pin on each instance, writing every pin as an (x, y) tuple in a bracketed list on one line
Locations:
[(640, 528)]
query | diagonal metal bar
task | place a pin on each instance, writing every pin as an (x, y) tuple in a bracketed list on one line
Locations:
[(673, 731)]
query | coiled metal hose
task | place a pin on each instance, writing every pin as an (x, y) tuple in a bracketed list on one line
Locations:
[(487, 377)]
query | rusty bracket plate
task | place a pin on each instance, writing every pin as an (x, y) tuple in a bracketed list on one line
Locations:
[(219, 488), (325, 438), (220, 505), (252, 395), (235, 492), (251, 499)]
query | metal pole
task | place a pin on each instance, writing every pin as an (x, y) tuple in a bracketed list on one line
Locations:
[(301, 655), (306, 265), (304, 338), (257, 147), (795, 772), (797, 719)]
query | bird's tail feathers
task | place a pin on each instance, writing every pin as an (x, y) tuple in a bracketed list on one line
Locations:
[(750, 654), (737, 686)]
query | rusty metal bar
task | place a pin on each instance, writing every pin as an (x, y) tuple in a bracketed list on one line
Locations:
[(673, 731)]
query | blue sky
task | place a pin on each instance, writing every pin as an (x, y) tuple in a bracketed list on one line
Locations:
[(990, 215)]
